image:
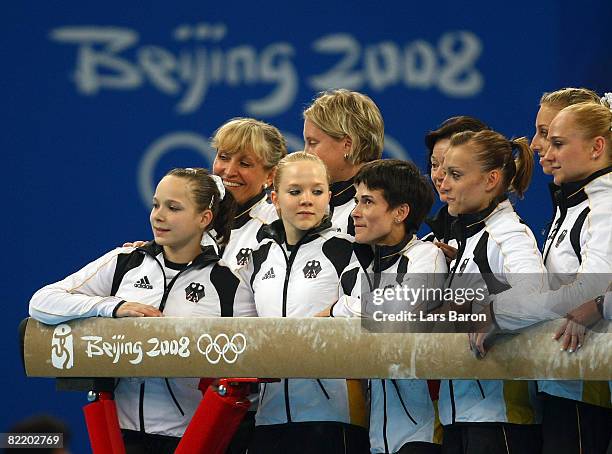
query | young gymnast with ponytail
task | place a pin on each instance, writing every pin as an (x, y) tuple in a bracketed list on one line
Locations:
[(495, 251), (172, 275)]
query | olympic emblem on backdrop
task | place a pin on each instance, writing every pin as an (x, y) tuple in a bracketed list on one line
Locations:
[(222, 347)]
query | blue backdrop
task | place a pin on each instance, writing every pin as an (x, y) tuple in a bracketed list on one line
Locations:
[(100, 100)]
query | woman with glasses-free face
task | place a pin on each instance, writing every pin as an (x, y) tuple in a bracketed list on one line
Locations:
[(302, 197), (331, 151), (437, 162), (466, 187), (375, 221), (176, 221), (539, 142), (243, 173), (571, 156)]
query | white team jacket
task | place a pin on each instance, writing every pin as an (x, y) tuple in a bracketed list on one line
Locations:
[(496, 252), (341, 206), (401, 411), (250, 219), (299, 282), (580, 244), (578, 257), (206, 288)]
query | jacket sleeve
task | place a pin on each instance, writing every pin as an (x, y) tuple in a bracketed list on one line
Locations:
[(592, 278), (85, 293), (348, 305)]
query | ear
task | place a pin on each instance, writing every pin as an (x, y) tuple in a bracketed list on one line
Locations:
[(492, 180), (401, 213), (329, 195), (270, 177), (348, 143), (206, 218), (274, 198), (598, 147)]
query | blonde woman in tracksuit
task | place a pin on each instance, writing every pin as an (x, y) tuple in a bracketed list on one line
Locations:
[(295, 273)]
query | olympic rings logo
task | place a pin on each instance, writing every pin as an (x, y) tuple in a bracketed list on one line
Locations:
[(222, 347)]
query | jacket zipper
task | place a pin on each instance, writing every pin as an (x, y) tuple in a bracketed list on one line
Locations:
[(289, 262), (553, 234), (384, 390), (162, 304), (141, 407), (451, 391)]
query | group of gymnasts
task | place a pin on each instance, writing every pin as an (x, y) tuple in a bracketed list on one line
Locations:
[(275, 234)]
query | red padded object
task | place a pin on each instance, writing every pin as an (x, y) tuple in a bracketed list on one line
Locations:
[(217, 418), (103, 426)]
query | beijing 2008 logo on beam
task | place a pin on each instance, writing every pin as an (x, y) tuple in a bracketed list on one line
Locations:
[(117, 347)]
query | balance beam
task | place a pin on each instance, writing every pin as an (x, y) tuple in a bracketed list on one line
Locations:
[(297, 348)]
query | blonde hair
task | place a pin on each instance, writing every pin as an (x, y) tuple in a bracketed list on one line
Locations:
[(593, 120), (297, 156), (569, 96), (248, 134), (340, 113), (493, 151)]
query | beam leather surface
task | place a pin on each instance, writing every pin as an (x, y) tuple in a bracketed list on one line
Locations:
[(292, 347)]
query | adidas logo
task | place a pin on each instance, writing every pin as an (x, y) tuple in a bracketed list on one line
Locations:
[(143, 283), (269, 274)]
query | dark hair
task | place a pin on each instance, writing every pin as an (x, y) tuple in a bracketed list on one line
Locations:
[(206, 195), (401, 182), (493, 151), (448, 128)]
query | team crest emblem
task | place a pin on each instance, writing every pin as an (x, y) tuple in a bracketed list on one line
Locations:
[(242, 258), (194, 292), (312, 269), (560, 238)]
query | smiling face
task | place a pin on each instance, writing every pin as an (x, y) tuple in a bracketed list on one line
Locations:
[(301, 198), (539, 142), (570, 153), (437, 162), (243, 173), (375, 221), (330, 150), (466, 187), (177, 224)]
